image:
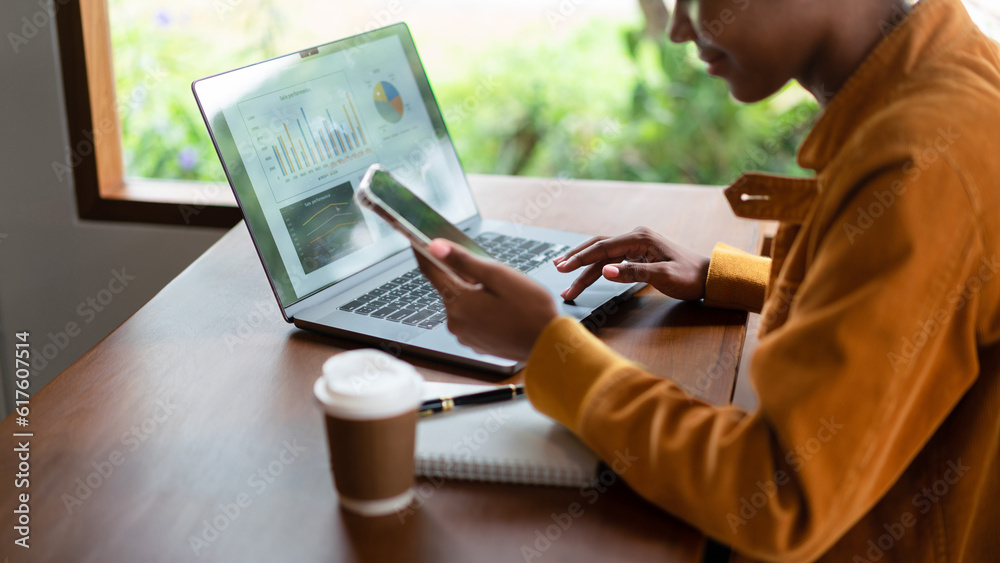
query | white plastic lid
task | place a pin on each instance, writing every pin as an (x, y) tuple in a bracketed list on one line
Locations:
[(368, 384)]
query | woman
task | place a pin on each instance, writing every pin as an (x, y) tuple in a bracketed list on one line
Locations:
[(878, 431)]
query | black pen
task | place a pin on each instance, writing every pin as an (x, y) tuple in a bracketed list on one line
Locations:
[(442, 404)]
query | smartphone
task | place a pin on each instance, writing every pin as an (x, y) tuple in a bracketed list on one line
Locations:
[(404, 211)]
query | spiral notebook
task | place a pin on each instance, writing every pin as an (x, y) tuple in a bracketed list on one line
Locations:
[(506, 442)]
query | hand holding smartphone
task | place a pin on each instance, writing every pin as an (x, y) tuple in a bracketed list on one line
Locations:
[(418, 222)]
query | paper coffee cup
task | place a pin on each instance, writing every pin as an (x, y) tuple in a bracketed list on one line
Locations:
[(370, 400)]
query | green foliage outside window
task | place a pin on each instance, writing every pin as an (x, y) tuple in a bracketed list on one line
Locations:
[(615, 104), (603, 102)]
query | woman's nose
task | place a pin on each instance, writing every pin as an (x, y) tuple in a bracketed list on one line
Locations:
[(681, 27)]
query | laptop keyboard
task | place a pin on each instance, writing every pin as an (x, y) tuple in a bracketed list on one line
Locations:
[(410, 299)]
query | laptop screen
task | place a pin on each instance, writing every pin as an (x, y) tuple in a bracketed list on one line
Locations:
[(296, 134)]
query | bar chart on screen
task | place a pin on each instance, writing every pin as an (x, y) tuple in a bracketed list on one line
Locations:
[(307, 135)]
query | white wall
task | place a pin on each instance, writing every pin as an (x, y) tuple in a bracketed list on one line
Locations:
[(51, 262)]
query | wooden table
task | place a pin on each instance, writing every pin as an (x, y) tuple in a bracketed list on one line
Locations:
[(202, 401)]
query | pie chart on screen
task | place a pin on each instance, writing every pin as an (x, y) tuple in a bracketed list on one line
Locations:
[(388, 102)]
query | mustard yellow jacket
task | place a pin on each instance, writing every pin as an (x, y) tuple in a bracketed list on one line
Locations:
[(878, 369)]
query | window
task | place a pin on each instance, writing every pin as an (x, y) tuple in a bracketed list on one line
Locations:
[(581, 89), (145, 155), (94, 157)]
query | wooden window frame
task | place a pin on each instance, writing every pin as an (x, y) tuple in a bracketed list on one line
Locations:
[(94, 156)]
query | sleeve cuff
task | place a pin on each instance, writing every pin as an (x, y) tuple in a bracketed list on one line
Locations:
[(736, 279), (567, 366)]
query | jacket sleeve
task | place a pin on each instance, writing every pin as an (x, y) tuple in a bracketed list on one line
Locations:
[(878, 349), (736, 279)]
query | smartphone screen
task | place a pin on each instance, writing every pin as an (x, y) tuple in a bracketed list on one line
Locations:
[(417, 213)]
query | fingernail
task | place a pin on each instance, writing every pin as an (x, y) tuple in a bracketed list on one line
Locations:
[(563, 294), (610, 271), (439, 250), (561, 265)]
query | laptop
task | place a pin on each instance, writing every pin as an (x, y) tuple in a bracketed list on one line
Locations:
[(295, 135)]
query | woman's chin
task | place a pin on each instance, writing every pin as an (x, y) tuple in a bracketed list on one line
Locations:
[(749, 92)]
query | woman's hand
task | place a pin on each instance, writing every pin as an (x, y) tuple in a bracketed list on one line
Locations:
[(504, 318), (670, 268)]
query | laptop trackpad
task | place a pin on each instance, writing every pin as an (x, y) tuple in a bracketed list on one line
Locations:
[(592, 298)]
